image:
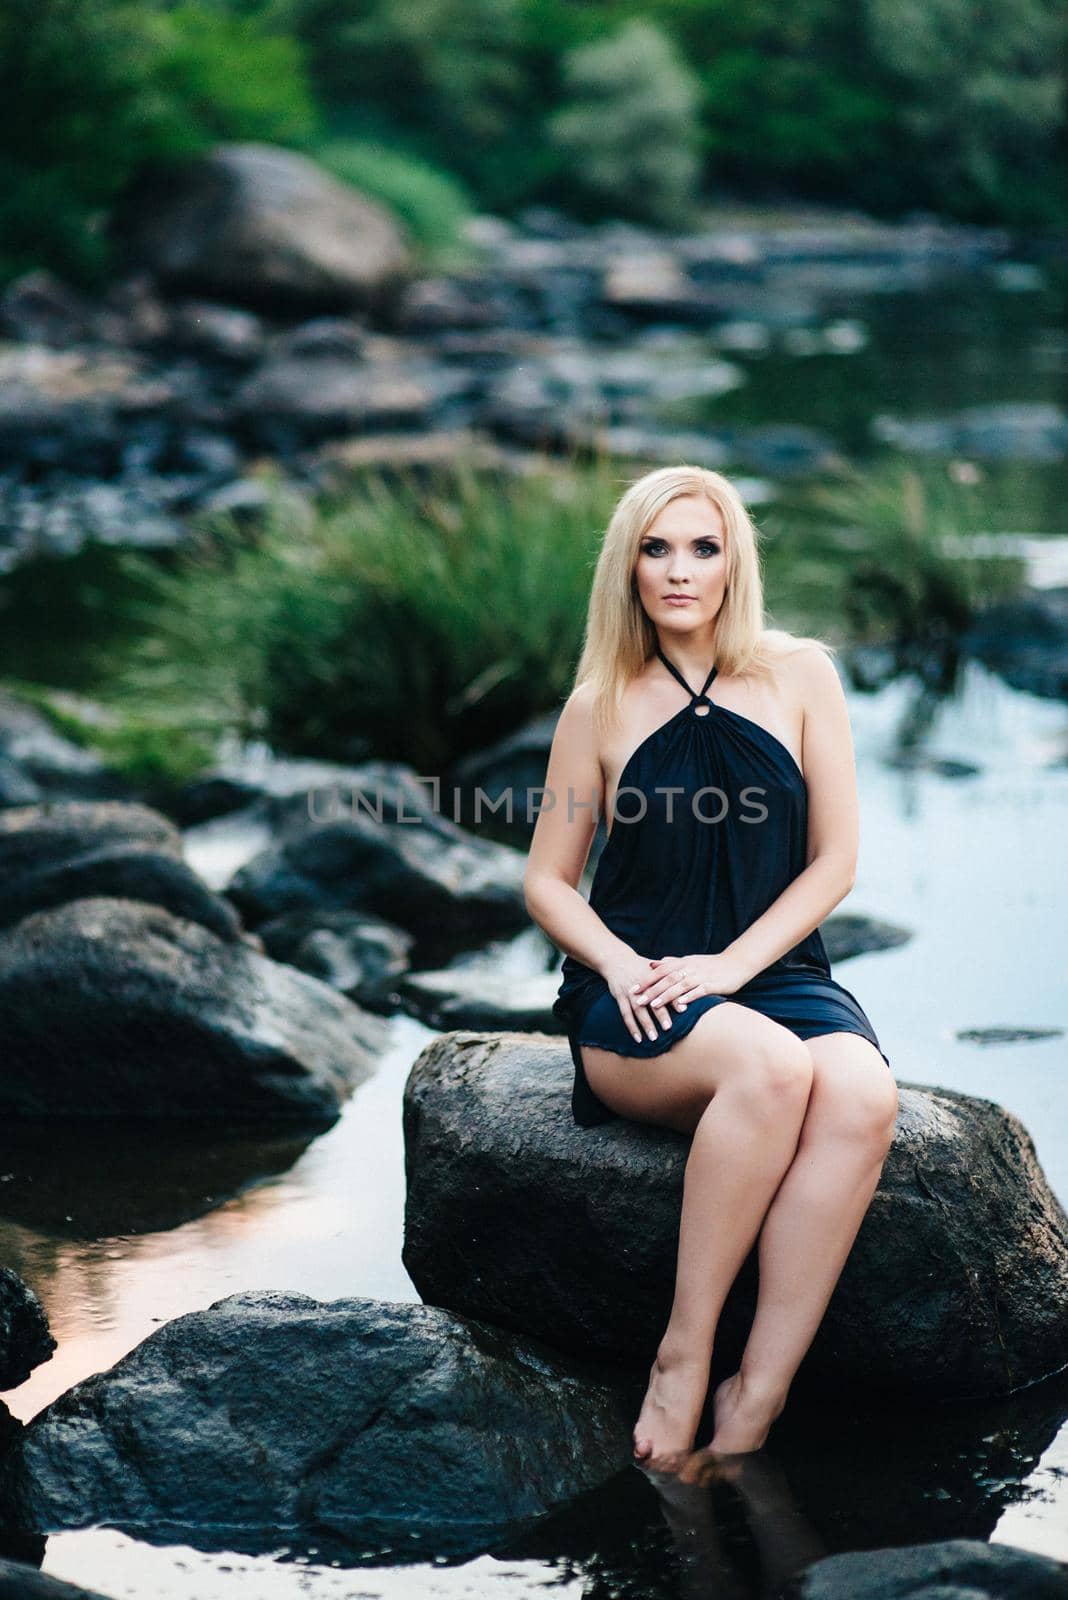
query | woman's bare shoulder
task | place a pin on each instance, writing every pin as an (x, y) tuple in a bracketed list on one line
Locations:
[(800, 666)]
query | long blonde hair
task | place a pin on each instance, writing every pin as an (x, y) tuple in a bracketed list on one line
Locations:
[(620, 638)]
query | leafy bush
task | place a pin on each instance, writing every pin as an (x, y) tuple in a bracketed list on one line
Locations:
[(90, 88), (424, 619), (446, 77), (981, 98), (433, 204), (888, 553), (629, 128)]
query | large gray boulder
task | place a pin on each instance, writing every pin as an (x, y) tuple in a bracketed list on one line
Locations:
[(74, 849), (957, 1284), (372, 839), (255, 224), (951, 1569), (112, 1007), (276, 1411)]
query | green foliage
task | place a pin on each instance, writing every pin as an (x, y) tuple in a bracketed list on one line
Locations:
[(981, 99), (790, 94), (426, 618), (224, 77), (628, 128), (888, 554), (90, 88), (447, 75), (430, 202)]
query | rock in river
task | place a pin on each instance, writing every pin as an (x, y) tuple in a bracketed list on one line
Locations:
[(947, 1569), (957, 1283), (276, 1411), (111, 1007), (69, 850)]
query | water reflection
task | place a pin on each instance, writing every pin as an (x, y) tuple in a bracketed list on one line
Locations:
[(121, 1176)]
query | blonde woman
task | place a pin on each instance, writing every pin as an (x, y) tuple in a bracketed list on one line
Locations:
[(697, 992)]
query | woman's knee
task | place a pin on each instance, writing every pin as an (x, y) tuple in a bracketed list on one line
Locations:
[(775, 1072), (856, 1101)]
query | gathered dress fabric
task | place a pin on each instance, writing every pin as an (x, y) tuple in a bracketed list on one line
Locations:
[(710, 826)]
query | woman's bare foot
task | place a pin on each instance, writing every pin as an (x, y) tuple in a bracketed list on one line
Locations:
[(672, 1407), (743, 1415)]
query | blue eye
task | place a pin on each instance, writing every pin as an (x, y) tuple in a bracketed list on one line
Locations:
[(707, 545)]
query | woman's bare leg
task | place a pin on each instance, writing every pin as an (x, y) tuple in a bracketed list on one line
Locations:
[(741, 1084), (809, 1230)]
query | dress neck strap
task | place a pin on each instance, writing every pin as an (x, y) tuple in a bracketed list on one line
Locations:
[(702, 692)]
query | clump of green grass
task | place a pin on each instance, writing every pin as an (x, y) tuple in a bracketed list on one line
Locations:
[(417, 619), (433, 204), (888, 554)]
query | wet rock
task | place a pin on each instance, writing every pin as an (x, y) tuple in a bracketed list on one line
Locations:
[(69, 850), (1007, 1035), (362, 956), (36, 755), (291, 1413), (428, 305), (24, 1337), (17, 788), (951, 1569), (956, 1285), (510, 984), (203, 799), (67, 407), (415, 867), (297, 400), (481, 1000), (656, 283), (1025, 640), (39, 308), (260, 226), (848, 934), (19, 1581), (59, 519), (915, 760), (111, 1007), (1014, 431), (216, 332), (503, 783)]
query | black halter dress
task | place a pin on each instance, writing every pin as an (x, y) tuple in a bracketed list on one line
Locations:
[(710, 825)]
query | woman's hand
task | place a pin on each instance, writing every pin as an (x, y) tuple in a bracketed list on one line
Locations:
[(624, 974), (676, 980)]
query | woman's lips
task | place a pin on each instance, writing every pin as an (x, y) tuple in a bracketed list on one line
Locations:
[(679, 599)]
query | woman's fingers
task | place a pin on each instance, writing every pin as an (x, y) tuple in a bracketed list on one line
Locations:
[(626, 1012), (665, 988)]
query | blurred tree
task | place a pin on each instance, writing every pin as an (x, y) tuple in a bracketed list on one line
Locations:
[(629, 126), (89, 88), (982, 98), (446, 75), (791, 97)]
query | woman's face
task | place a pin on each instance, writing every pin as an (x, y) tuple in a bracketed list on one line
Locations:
[(683, 553)]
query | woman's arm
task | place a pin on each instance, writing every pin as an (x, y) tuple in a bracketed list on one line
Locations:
[(833, 819), (561, 843)]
